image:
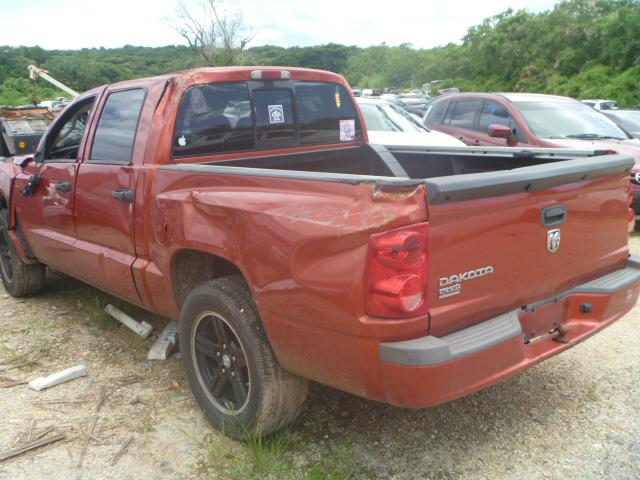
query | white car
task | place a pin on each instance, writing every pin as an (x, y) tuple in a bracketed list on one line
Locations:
[(389, 124), (601, 104)]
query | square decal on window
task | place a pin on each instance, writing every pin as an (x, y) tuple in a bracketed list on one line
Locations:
[(347, 130), (276, 114)]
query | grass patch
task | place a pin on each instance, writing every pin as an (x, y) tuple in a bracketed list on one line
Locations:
[(277, 457), (94, 303)]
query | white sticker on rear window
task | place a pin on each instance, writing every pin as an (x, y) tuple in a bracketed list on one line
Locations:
[(347, 130), (276, 114)]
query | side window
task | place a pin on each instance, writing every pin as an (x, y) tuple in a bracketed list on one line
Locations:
[(117, 127), (326, 114), (214, 118), (493, 114), (464, 114), (274, 114), (436, 112), (64, 141)]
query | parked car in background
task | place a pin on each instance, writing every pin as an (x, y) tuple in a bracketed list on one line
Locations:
[(412, 103), (601, 104), (356, 92), (389, 124), (389, 97), (627, 119), (534, 120)]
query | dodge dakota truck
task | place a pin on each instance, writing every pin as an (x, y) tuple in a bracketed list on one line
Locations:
[(248, 204)]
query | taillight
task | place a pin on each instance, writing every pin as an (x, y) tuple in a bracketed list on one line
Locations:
[(397, 275)]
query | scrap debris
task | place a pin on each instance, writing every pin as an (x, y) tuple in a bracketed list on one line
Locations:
[(32, 445), (102, 395), (123, 449), (141, 328), (58, 378), (165, 343), (6, 382)]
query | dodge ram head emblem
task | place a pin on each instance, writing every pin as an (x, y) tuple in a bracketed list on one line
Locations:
[(553, 240)]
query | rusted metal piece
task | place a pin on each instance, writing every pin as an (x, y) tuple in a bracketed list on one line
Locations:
[(35, 113)]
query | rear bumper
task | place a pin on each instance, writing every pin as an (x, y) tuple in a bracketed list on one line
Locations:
[(429, 370)]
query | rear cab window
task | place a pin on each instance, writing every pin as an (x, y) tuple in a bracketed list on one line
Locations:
[(235, 117)]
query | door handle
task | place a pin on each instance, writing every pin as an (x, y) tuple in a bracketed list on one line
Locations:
[(552, 216), (32, 185), (123, 195), (63, 186)]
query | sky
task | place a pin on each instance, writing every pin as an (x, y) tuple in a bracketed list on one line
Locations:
[(76, 24)]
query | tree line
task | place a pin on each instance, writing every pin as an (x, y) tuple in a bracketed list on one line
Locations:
[(580, 48)]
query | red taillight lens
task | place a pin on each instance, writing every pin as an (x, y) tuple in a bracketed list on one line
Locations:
[(397, 276)]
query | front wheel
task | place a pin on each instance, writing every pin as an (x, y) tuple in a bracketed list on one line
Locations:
[(232, 370), (19, 279)]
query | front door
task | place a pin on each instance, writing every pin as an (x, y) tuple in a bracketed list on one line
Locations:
[(495, 113), (105, 189), (46, 214)]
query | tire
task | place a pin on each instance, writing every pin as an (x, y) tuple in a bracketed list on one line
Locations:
[(19, 279), (223, 348)]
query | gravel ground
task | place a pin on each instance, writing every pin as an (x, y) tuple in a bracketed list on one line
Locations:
[(576, 415)]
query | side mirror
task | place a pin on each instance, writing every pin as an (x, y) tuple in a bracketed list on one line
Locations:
[(499, 131), (22, 161)]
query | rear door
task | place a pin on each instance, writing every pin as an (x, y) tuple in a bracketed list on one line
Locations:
[(105, 189), (461, 119)]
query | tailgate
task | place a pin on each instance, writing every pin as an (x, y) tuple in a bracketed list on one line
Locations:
[(501, 240)]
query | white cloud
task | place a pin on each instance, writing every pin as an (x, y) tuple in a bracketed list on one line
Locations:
[(75, 24)]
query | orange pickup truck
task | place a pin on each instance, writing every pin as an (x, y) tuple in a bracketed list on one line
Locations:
[(247, 203)]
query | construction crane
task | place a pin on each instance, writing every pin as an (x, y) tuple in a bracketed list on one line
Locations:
[(35, 72)]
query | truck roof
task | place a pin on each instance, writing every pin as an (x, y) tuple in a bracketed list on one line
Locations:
[(238, 74)]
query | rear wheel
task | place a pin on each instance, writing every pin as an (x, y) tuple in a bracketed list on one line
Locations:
[(19, 279), (232, 370)]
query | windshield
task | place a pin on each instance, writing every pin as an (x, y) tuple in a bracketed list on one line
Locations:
[(549, 119), (384, 117), (630, 121)]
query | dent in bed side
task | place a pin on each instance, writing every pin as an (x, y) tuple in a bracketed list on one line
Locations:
[(301, 246)]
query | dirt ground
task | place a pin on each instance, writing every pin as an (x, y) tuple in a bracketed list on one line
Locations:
[(575, 416)]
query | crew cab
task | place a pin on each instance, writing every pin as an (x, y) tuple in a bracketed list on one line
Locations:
[(247, 203)]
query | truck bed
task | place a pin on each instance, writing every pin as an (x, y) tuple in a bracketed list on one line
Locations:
[(449, 173), (502, 227)]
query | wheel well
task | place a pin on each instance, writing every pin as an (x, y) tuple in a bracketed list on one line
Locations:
[(191, 268)]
